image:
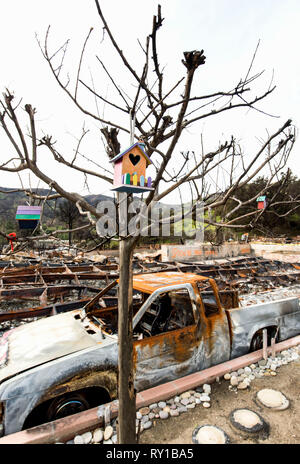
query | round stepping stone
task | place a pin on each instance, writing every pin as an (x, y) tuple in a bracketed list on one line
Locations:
[(248, 421), (273, 399), (209, 435)]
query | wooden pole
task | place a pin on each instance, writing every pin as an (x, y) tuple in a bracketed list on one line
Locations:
[(127, 411), (126, 393), (265, 344)]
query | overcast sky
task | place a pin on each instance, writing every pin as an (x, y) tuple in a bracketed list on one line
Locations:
[(227, 30)]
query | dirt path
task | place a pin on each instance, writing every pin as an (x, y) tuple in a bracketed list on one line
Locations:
[(284, 425)]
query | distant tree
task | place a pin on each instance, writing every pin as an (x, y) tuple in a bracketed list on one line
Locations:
[(68, 213)]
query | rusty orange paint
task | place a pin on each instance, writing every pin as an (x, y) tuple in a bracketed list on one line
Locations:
[(148, 283)]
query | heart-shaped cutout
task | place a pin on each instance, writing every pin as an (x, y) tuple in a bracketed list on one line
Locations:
[(134, 159)]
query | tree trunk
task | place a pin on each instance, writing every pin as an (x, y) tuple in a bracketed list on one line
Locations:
[(127, 407)]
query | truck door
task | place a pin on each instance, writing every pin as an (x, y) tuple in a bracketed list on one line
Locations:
[(168, 346), (215, 327)]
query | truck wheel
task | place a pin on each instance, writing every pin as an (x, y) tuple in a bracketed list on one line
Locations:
[(66, 405), (257, 341)]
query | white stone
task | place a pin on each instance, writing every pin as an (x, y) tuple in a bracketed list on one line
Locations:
[(152, 406), (248, 370), (191, 405), (162, 404), (206, 405), (207, 388), (234, 381), (147, 425), (87, 437), (108, 432), (243, 385), (205, 398), (139, 415), (227, 376), (163, 414), (97, 436), (78, 440), (185, 395), (174, 412)]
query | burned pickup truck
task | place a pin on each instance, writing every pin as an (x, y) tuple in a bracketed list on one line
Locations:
[(66, 363)]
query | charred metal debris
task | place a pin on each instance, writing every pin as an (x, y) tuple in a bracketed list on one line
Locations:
[(35, 289)]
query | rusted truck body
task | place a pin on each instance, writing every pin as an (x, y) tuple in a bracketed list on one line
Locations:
[(66, 363)]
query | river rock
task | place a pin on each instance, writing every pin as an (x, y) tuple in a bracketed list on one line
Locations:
[(163, 414), (247, 370), (153, 406), (162, 404), (144, 411), (243, 385), (191, 405), (97, 436), (147, 425), (227, 376), (185, 401), (108, 432), (78, 440), (87, 437), (182, 409), (207, 388), (234, 381), (206, 405), (185, 395), (174, 412)]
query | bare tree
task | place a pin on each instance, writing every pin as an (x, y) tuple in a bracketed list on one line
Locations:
[(158, 115)]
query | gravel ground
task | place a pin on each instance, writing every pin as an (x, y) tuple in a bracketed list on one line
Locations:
[(173, 421)]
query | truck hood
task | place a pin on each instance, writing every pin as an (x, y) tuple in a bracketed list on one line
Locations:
[(38, 342)]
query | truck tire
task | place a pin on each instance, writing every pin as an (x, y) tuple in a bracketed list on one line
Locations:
[(257, 339), (66, 405)]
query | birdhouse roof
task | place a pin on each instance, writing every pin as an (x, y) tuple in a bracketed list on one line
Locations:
[(138, 145), (261, 198)]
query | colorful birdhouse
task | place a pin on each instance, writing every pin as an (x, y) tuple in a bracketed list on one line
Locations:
[(28, 216), (130, 170), (261, 202)]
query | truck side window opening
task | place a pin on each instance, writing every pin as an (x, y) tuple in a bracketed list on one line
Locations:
[(209, 301), (170, 311)]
